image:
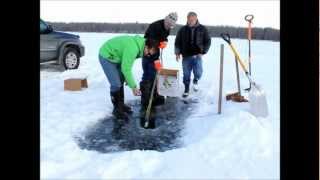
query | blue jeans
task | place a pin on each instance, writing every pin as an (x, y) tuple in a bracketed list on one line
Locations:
[(113, 73), (191, 63)]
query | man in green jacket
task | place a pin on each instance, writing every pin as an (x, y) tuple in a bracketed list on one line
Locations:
[(116, 57)]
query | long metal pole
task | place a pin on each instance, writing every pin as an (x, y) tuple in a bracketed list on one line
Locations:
[(221, 78)]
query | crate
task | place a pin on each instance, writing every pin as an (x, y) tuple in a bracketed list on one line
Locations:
[(168, 82)]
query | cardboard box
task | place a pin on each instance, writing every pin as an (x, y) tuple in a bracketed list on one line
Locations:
[(168, 82), (75, 84)]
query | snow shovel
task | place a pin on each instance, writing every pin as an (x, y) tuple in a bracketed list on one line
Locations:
[(249, 18), (257, 97)]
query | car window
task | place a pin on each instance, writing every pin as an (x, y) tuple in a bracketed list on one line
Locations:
[(43, 27)]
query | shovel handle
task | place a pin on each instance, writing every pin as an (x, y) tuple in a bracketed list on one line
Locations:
[(226, 37), (249, 18)]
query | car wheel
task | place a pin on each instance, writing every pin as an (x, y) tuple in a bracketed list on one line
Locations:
[(71, 59)]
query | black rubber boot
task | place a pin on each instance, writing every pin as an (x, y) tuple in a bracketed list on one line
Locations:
[(145, 88), (118, 110), (126, 108), (158, 99)]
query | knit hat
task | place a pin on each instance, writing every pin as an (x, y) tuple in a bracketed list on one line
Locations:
[(192, 14), (171, 18)]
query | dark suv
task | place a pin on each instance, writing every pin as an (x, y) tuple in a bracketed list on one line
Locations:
[(64, 48)]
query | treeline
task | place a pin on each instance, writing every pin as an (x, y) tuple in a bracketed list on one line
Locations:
[(140, 28)]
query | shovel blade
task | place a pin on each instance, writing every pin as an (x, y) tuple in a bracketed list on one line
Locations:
[(258, 101)]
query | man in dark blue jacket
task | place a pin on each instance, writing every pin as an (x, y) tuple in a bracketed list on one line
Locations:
[(192, 41), (158, 30)]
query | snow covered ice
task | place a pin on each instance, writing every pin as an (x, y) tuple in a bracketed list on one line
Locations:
[(75, 134), (108, 135)]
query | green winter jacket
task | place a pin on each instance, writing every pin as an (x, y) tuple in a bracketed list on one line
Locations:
[(124, 50)]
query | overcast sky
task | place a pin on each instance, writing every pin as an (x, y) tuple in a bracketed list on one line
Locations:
[(266, 13)]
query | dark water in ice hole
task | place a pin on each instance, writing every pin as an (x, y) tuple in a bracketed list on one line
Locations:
[(108, 135)]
